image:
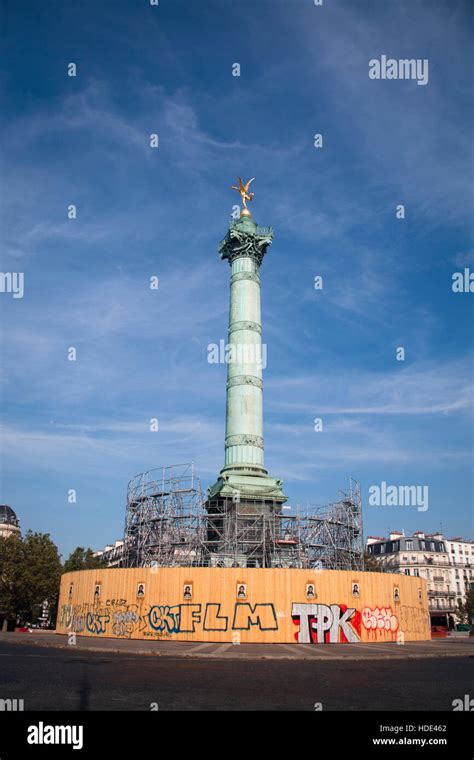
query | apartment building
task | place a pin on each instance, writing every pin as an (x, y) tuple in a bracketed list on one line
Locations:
[(461, 555), (112, 554), (429, 556)]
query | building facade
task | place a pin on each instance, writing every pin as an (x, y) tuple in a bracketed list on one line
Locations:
[(9, 522), (446, 565), (461, 559), (112, 554)]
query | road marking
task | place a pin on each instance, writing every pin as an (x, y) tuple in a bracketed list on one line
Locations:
[(221, 648), (200, 646), (316, 649), (386, 648), (293, 649)]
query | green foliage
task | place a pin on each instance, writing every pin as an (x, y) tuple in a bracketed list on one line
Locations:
[(466, 609), (82, 559), (30, 571), (12, 562)]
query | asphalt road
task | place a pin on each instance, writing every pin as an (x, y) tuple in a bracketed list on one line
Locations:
[(58, 679)]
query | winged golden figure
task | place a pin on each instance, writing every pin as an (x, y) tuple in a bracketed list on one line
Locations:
[(244, 191)]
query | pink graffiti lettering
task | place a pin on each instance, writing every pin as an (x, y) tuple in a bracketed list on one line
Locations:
[(381, 618)]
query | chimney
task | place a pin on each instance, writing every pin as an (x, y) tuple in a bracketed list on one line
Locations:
[(396, 534)]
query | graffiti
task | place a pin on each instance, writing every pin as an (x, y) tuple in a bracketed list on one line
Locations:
[(261, 615), (65, 616), (72, 617), (124, 619), (413, 619), (303, 622), (96, 623), (78, 622), (123, 622), (183, 617), (189, 616), (381, 619), (320, 623), (213, 621), (164, 618)]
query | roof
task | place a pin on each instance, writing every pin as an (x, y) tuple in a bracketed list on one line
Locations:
[(8, 516)]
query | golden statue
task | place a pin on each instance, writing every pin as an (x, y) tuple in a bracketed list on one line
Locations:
[(244, 194)]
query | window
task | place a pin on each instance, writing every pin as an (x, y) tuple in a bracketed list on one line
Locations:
[(409, 545), (416, 572), (407, 571)]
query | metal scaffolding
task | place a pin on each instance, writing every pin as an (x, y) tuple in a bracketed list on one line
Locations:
[(163, 518), (167, 525), (333, 536)]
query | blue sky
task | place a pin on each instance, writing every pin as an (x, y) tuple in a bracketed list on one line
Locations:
[(142, 354)]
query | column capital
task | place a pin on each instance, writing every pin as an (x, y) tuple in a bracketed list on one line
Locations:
[(246, 238)]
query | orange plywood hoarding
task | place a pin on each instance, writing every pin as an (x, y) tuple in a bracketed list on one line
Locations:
[(244, 605)]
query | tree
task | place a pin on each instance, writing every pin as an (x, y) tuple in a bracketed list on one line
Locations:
[(12, 562), (460, 612), (82, 559), (42, 573), (371, 565), (466, 609), (30, 571)]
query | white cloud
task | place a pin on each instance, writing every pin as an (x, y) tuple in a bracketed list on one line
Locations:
[(423, 388)]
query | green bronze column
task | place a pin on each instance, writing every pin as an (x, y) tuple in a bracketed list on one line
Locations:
[(244, 477), (244, 409)]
